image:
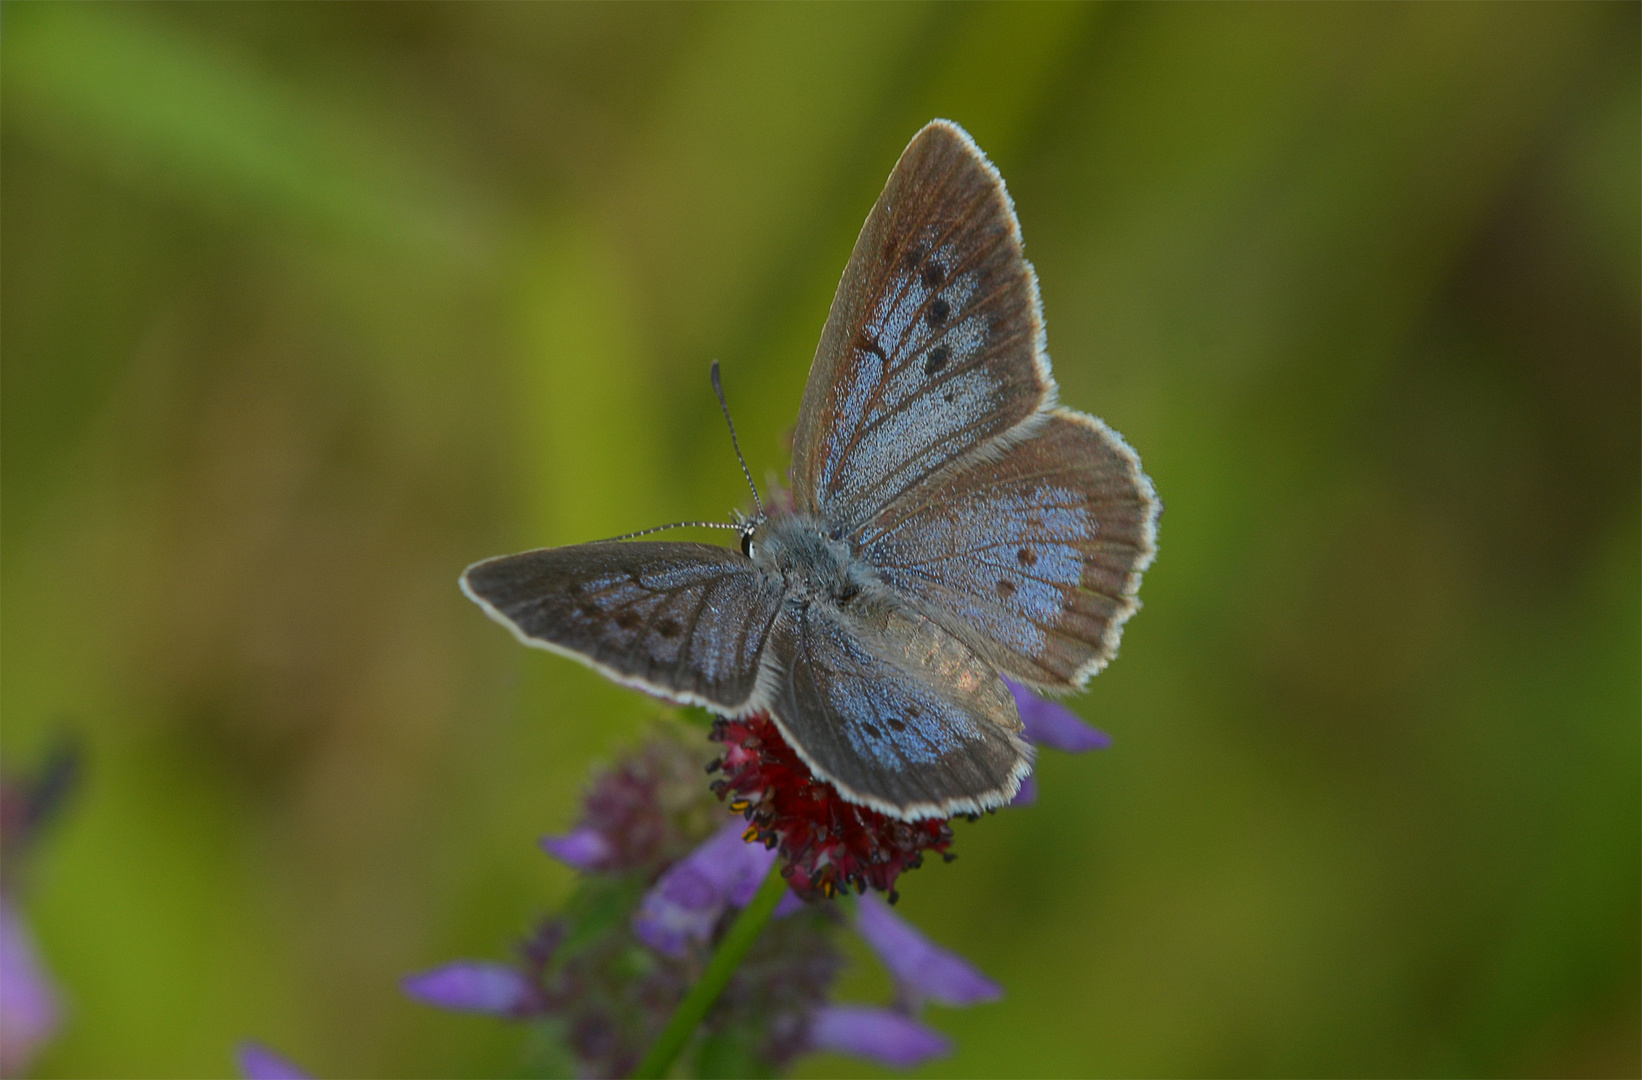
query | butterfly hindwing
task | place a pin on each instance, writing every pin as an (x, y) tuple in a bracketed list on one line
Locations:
[(895, 712), (685, 621), (933, 346), (1034, 558)]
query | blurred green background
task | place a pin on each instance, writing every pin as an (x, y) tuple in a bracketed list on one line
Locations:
[(308, 306)]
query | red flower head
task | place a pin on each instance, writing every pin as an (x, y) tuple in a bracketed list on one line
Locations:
[(828, 844)]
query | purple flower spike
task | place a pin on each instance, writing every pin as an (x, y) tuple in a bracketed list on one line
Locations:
[(669, 925), (257, 1062), (1050, 723), (580, 849), (881, 1035), (1028, 794), (472, 986), (29, 1011), (922, 969), (685, 904)]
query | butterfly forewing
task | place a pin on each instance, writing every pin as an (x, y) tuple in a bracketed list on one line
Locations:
[(933, 345), (685, 621), (1034, 557)]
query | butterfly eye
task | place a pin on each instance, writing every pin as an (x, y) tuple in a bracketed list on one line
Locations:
[(747, 543)]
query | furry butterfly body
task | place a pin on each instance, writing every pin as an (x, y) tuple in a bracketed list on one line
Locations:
[(951, 525)]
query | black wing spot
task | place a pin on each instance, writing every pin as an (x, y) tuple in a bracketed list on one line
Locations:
[(870, 730), (1006, 588), (948, 397), (1026, 557), (915, 711), (668, 628), (934, 274), (895, 725), (627, 620), (938, 356), (913, 257), (870, 344), (939, 309)]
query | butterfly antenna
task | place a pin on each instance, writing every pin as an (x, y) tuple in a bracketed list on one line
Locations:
[(674, 525), (718, 388)]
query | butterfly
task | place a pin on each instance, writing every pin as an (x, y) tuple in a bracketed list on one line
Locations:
[(950, 525)]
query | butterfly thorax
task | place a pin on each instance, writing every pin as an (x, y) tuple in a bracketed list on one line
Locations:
[(811, 562)]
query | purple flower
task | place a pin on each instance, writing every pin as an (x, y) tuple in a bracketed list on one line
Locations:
[(473, 986), (922, 969), (644, 812), (583, 849), (1049, 723), (29, 1009), (685, 905), (881, 1035), (257, 1062), (610, 970)]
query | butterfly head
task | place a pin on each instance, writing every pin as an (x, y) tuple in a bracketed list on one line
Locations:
[(749, 530)]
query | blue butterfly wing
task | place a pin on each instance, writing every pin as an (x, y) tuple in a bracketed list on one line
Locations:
[(1032, 556), (934, 345), (1002, 534), (894, 711), (687, 622)]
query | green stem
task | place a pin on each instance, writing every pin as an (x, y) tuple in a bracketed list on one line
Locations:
[(743, 932)]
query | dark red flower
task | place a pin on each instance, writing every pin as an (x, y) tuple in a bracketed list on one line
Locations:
[(829, 844)]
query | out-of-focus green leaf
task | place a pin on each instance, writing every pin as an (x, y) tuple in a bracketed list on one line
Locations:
[(162, 107)]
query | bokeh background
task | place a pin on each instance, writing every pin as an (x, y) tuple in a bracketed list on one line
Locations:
[(308, 306)]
